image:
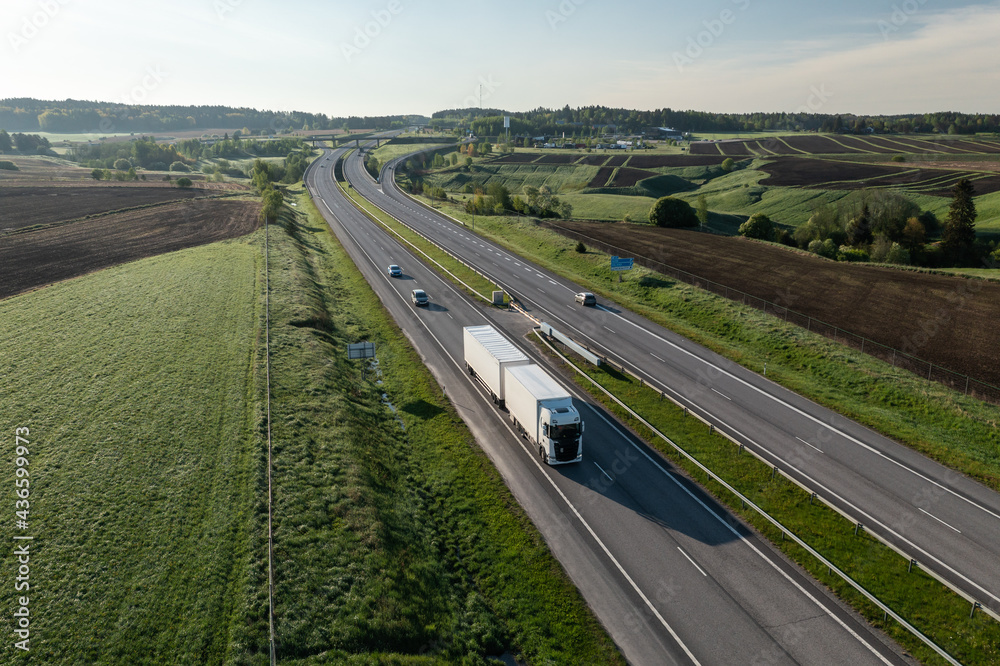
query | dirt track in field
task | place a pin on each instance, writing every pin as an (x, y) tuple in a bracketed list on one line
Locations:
[(35, 258), (946, 320)]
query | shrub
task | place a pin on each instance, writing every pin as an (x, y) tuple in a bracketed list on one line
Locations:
[(581, 248), (672, 212), (758, 226), (826, 248), (183, 182), (898, 158), (898, 255), (848, 253), (122, 164), (728, 164), (180, 166), (7, 165)]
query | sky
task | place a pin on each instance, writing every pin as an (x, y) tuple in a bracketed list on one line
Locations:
[(383, 57)]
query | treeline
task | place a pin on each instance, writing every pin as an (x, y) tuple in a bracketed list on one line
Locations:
[(885, 227), (586, 121), (70, 116), (26, 144), (145, 152)]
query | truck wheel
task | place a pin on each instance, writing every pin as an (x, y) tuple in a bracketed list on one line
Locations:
[(541, 454)]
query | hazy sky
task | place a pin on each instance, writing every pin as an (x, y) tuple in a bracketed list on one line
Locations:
[(375, 57)]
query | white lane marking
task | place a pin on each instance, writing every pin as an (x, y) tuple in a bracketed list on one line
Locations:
[(723, 395), (808, 444), (449, 315), (700, 570), (603, 472), (657, 357), (608, 330), (942, 522), (553, 282), (540, 289), (735, 532)]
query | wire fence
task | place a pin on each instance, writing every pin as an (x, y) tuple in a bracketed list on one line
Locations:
[(897, 358)]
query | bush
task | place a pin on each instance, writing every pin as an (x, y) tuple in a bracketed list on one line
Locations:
[(180, 166), (826, 248), (759, 226), (898, 255), (671, 212), (728, 165), (183, 182), (848, 253), (581, 248), (7, 165), (898, 158), (122, 164)]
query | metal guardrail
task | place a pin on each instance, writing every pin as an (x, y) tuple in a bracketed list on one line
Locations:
[(972, 601), (748, 502), (429, 258)]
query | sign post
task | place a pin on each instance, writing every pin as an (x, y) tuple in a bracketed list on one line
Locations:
[(362, 350), (621, 265)]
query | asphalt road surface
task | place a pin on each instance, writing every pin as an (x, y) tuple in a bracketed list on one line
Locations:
[(672, 576)]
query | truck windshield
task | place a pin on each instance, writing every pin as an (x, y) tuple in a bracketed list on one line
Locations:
[(566, 432)]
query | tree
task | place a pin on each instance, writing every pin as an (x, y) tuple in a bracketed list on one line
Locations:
[(859, 229), (758, 226), (728, 164), (6, 145), (97, 174), (702, 209), (913, 234), (959, 236), (273, 200), (122, 165), (184, 182), (179, 166), (671, 212)]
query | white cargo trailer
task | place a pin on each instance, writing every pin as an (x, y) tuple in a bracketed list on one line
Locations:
[(487, 353), (544, 413)]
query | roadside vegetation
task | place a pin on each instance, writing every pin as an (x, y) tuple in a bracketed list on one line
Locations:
[(396, 540)]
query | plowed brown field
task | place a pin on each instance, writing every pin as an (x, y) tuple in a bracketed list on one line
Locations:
[(33, 258), (946, 320)]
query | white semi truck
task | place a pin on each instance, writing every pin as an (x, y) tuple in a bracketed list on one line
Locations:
[(544, 413), (541, 409)]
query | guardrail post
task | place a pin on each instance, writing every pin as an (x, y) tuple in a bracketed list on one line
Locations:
[(975, 605), (711, 429), (685, 412), (909, 569), (774, 472), (858, 528), (742, 446), (812, 497)]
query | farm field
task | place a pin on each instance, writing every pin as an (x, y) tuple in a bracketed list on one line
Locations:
[(28, 206), (134, 383), (946, 320), (32, 258)]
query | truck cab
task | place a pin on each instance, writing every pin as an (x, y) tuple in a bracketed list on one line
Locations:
[(562, 435)]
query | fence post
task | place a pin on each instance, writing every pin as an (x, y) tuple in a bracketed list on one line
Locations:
[(967, 385)]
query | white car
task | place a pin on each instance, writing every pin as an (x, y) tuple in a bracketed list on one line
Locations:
[(419, 297), (586, 298)]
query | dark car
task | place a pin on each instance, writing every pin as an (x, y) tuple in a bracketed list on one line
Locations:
[(394, 271), (419, 297)]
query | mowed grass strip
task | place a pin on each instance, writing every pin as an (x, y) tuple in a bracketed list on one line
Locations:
[(396, 541), (956, 430), (136, 384), (473, 281), (920, 599)]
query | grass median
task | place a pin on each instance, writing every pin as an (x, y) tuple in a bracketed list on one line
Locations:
[(920, 599)]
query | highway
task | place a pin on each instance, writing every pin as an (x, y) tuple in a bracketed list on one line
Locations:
[(949, 523), (673, 577)]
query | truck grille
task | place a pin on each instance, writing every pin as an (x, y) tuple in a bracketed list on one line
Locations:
[(566, 452)]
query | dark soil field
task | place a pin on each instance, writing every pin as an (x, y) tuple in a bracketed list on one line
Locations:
[(627, 177), (668, 161), (705, 148), (31, 259), (838, 175), (617, 161), (864, 146), (593, 160), (844, 144), (601, 179), (557, 159), (946, 320), (27, 206), (735, 149)]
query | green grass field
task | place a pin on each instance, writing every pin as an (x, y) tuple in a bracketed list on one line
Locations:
[(391, 151), (136, 384)]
